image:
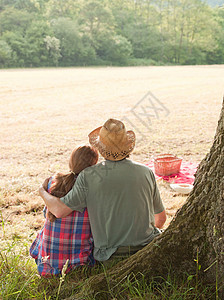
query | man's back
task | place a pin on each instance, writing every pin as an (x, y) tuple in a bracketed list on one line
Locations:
[(122, 198)]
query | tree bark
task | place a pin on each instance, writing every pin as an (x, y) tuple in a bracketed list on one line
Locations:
[(197, 230)]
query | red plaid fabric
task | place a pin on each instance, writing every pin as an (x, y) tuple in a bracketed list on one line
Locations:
[(66, 238)]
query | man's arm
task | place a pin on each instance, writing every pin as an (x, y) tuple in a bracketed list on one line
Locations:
[(160, 219), (54, 204)]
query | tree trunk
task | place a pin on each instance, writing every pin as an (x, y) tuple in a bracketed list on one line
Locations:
[(197, 230)]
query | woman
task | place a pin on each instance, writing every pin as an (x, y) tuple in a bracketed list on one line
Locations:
[(68, 238)]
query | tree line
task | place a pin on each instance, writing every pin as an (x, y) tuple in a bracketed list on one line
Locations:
[(41, 33)]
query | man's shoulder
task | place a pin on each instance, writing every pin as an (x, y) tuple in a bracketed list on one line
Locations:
[(97, 166), (100, 167), (140, 166), (92, 169)]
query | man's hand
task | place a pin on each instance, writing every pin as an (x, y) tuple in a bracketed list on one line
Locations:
[(43, 186), (54, 204), (160, 219), (45, 183)]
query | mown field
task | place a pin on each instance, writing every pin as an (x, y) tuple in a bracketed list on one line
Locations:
[(45, 113)]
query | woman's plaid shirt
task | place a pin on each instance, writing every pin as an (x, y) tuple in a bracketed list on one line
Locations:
[(66, 238)]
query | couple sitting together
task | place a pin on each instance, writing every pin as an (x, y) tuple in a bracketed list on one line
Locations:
[(105, 210)]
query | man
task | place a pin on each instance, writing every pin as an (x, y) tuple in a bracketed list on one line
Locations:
[(122, 198)]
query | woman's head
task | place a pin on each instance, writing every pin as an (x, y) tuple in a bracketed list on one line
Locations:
[(83, 157)]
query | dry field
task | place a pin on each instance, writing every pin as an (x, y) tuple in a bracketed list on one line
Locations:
[(45, 113)]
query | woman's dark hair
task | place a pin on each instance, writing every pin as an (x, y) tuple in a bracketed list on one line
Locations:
[(81, 158)]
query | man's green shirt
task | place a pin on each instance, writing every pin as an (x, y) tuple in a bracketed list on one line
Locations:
[(122, 198)]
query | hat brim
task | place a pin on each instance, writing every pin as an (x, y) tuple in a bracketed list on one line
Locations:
[(105, 151)]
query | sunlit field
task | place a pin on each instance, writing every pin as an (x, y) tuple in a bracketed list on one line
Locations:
[(45, 113)]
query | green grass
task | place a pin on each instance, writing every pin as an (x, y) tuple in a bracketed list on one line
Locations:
[(19, 280)]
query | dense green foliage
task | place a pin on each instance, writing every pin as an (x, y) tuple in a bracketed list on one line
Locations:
[(35, 33)]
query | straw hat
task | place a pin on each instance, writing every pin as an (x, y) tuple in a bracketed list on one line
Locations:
[(112, 140)]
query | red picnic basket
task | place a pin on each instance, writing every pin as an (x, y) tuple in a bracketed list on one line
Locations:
[(167, 164)]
